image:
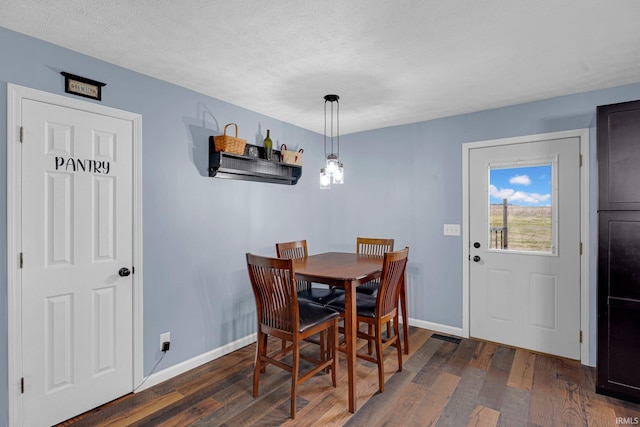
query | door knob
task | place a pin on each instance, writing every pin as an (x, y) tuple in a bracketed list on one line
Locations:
[(476, 258), (124, 272), (476, 245)]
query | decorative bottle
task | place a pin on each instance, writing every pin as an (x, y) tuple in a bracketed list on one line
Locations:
[(268, 146)]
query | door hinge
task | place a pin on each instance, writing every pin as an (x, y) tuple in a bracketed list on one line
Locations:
[(21, 260), (21, 134), (580, 248), (580, 337), (22, 385), (580, 160)]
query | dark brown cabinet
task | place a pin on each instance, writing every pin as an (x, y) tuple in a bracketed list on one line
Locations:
[(618, 370)]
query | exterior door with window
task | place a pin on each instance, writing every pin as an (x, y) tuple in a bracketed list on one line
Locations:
[(524, 230)]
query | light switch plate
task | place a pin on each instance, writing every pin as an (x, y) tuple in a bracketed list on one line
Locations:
[(452, 229)]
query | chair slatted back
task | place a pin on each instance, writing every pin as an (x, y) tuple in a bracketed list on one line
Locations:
[(373, 246), (272, 280), (294, 250), (393, 271)]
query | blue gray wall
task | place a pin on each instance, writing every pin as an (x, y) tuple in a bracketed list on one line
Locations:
[(403, 182)]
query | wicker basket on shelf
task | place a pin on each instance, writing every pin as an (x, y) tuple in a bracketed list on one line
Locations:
[(291, 157), (230, 144)]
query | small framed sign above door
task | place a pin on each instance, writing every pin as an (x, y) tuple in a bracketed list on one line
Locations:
[(82, 86)]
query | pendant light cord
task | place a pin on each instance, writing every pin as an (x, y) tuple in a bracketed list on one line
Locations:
[(337, 127), (325, 129)]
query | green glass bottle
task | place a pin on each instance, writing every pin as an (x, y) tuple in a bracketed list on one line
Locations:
[(268, 146)]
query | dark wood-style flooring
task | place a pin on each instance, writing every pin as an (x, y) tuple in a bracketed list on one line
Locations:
[(443, 383)]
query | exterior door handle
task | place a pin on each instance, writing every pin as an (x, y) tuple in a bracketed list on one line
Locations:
[(476, 258), (124, 272)]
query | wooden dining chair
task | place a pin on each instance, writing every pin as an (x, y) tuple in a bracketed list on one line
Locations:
[(282, 315), (380, 310), (306, 291), (375, 247)]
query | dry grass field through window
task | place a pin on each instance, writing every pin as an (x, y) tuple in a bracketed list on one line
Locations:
[(529, 227)]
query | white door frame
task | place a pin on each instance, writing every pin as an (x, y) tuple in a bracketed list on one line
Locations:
[(15, 95), (583, 134)]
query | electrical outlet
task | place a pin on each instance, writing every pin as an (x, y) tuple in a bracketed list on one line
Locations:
[(452, 229), (166, 337)]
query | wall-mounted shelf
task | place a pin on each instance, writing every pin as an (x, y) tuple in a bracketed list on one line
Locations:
[(251, 168)]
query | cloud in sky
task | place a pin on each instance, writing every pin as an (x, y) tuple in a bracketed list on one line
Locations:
[(518, 196), (520, 180)]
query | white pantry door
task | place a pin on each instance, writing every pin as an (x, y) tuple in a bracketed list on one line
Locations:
[(520, 297), (76, 215)]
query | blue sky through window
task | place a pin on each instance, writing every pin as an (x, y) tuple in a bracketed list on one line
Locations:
[(522, 186)]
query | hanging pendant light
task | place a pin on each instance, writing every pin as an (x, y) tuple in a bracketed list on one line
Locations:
[(333, 170)]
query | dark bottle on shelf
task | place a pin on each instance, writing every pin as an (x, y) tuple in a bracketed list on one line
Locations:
[(268, 146)]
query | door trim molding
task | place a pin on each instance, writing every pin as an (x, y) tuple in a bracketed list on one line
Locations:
[(15, 95), (583, 135)]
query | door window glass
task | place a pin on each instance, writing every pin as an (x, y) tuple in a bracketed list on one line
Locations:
[(521, 211)]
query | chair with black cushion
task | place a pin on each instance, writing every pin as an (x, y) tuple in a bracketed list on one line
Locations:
[(378, 247), (282, 315), (306, 291), (374, 247), (381, 309), (298, 250)]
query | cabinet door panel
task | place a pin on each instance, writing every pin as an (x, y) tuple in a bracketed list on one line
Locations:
[(619, 156), (621, 373), (620, 242), (618, 372)]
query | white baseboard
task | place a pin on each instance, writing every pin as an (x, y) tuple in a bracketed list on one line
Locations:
[(194, 362), (214, 354), (436, 327)]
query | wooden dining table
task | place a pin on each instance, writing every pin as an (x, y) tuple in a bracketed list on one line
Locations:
[(346, 271)]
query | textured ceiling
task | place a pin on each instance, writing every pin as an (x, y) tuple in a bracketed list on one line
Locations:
[(391, 61)]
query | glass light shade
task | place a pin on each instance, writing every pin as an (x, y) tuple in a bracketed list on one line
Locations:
[(332, 163), (325, 179), (338, 175)]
